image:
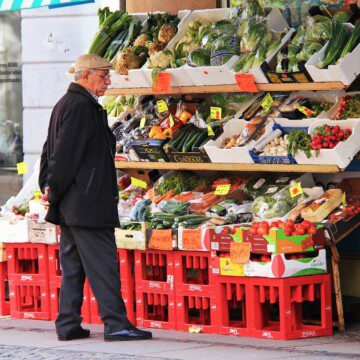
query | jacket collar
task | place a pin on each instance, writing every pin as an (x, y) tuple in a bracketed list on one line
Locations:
[(73, 87)]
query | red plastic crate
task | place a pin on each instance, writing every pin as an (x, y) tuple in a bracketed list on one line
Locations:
[(198, 313), (128, 296), (277, 307), (54, 303), (55, 270), (193, 273), (28, 263), (154, 271), (127, 268), (4, 290), (155, 310), (29, 301), (233, 305)]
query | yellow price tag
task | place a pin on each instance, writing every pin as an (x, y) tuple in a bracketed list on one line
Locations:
[(142, 122), (137, 182), (305, 111), (215, 113), (162, 106), (37, 194), (22, 168), (296, 190), (222, 189), (267, 102), (172, 122), (343, 199), (210, 130)]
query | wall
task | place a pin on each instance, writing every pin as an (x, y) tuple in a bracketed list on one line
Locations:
[(51, 41)]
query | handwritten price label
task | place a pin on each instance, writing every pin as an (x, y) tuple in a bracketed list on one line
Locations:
[(222, 189), (137, 182), (210, 130), (162, 83), (172, 122), (142, 122), (246, 82), (161, 239), (191, 239), (296, 190), (162, 106), (267, 102), (240, 252), (215, 113), (22, 168)]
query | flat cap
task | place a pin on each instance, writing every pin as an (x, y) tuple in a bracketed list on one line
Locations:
[(90, 61)]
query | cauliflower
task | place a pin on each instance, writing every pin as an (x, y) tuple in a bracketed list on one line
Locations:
[(142, 40), (156, 46), (160, 60), (125, 61), (166, 33)]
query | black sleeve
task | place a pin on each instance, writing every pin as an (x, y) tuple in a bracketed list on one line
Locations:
[(43, 169), (76, 130)]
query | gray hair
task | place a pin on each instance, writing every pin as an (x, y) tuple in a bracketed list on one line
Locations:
[(79, 75)]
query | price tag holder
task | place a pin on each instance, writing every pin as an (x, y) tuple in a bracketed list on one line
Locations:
[(296, 190), (343, 199), (162, 106), (240, 252), (215, 113), (210, 130), (161, 239), (246, 82), (142, 122), (137, 182), (267, 102), (37, 194), (171, 119), (222, 189), (305, 111), (191, 239), (22, 168), (162, 83)]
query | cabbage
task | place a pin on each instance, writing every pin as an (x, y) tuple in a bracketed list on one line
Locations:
[(261, 205), (279, 209)]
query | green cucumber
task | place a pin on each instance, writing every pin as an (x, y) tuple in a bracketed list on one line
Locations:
[(168, 224), (197, 221), (204, 135), (183, 140), (178, 140), (187, 217), (190, 143), (188, 138)]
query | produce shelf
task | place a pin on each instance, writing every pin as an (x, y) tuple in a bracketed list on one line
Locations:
[(334, 85), (143, 165)]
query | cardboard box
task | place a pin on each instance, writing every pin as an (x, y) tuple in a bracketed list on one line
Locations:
[(222, 236), (277, 243), (281, 266), (13, 230), (193, 239), (150, 150), (224, 266), (3, 256), (43, 233), (131, 239)]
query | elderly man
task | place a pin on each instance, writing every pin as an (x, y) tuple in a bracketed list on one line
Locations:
[(78, 173)]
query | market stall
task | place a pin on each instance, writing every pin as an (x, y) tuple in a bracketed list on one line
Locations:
[(227, 122)]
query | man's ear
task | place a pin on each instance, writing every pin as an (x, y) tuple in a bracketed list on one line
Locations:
[(86, 75)]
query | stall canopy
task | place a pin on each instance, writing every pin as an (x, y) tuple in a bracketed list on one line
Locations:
[(13, 5)]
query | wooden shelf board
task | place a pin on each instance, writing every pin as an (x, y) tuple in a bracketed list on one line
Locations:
[(334, 85), (227, 167)]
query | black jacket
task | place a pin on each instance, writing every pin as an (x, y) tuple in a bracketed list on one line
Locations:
[(77, 163)]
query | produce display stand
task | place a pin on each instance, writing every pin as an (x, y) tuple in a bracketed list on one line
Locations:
[(132, 166)]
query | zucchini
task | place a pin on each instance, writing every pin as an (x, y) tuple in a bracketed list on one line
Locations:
[(204, 135), (197, 221), (168, 224), (183, 140), (188, 138), (190, 143), (178, 140), (186, 217)]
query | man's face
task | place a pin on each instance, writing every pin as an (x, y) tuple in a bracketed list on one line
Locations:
[(98, 81)]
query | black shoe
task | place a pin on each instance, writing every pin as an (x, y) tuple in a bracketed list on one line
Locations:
[(131, 333), (76, 334)]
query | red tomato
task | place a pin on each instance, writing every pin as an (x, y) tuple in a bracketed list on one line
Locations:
[(293, 257), (312, 230), (226, 230), (281, 225), (253, 231), (306, 224), (263, 230), (274, 224), (288, 229), (265, 258), (287, 232), (264, 223), (290, 222), (300, 230)]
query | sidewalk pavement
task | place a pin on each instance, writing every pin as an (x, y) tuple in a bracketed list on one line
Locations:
[(32, 339)]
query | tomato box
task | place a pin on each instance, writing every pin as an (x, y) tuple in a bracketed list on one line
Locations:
[(278, 243), (193, 239), (283, 266), (222, 265), (222, 236)]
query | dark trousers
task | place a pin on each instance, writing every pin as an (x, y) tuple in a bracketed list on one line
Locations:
[(92, 253)]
